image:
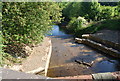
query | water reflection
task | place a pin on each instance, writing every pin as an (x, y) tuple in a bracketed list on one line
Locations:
[(106, 66), (56, 31)]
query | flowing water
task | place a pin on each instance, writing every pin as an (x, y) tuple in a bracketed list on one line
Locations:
[(65, 51)]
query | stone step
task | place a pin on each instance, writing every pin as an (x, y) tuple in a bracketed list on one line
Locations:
[(100, 47), (102, 41)]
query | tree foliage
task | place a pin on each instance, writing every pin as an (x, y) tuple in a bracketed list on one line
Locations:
[(108, 12), (1, 38), (89, 10), (25, 23), (118, 8), (71, 10), (1, 46), (28, 22)]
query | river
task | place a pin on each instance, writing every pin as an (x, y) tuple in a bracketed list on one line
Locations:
[(65, 51)]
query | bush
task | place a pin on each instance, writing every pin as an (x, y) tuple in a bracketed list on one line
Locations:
[(76, 24), (108, 12), (28, 22), (1, 47), (118, 8)]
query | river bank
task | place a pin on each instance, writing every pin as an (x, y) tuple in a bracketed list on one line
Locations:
[(38, 60)]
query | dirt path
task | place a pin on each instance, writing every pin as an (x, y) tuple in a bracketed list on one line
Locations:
[(65, 52)]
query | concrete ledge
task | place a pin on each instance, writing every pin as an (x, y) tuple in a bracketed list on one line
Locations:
[(100, 47), (109, 76), (10, 74), (48, 59), (102, 41), (38, 61)]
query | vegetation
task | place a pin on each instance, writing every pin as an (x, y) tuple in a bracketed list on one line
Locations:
[(97, 15), (26, 23), (1, 46), (113, 24), (1, 39), (76, 24), (88, 10)]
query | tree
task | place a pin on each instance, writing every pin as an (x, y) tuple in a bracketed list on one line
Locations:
[(119, 8), (89, 10), (28, 22)]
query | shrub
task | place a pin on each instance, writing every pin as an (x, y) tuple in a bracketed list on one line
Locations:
[(107, 12), (1, 46), (28, 22), (76, 24), (118, 8)]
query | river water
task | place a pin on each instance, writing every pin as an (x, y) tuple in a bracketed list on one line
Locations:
[(65, 52)]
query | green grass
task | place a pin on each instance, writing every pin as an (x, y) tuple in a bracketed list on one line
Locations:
[(113, 24)]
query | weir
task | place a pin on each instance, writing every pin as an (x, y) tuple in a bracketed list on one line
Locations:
[(65, 52)]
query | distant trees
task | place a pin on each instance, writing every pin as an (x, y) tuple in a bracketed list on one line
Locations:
[(90, 10), (71, 10), (118, 8)]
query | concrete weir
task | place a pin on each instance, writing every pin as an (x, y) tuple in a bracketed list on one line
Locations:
[(105, 46), (10, 75), (72, 59), (38, 61)]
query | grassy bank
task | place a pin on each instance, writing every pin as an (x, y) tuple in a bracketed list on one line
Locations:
[(113, 24)]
